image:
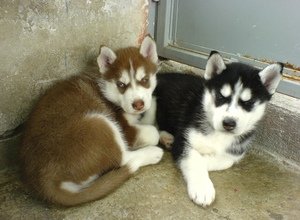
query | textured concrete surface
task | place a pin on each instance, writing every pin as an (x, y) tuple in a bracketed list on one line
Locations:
[(256, 188), (170, 65), (42, 41), (279, 132)]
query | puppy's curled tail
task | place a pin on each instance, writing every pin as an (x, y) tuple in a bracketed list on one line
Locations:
[(101, 187)]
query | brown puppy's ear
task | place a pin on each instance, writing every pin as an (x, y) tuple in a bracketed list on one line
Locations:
[(215, 65), (148, 49), (271, 76), (106, 57)]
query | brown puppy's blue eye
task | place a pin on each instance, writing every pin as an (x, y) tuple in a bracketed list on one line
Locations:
[(120, 84), (145, 79)]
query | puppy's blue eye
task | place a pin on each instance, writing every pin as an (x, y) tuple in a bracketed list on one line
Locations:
[(247, 105), (249, 102), (145, 79), (219, 95), (221, 99), (120, 84)]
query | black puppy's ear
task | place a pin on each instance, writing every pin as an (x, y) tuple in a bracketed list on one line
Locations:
[(271, 76), (215, 65)]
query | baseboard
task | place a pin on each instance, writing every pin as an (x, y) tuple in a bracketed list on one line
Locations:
[(9, 149)]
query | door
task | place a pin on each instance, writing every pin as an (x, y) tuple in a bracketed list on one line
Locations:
[(252, 31)]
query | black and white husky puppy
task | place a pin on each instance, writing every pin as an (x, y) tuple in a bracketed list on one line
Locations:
[(209, 122)]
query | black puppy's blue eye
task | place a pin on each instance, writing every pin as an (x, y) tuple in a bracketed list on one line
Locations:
[(247, 105), (220, 99), (219, 95)]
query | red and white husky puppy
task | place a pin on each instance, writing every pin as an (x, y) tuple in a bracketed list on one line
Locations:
[(82, 139)]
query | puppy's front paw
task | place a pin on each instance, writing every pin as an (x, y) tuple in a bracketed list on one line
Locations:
[(154, 154), (148, 135), (166, 139), (202, 193), (143, 157)]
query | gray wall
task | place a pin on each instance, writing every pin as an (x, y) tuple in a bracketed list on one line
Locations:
[(42, 41)]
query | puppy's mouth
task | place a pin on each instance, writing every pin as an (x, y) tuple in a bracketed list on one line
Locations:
[(234, 132), (136, 112)]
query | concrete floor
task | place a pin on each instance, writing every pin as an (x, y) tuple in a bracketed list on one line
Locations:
[(257, 188)]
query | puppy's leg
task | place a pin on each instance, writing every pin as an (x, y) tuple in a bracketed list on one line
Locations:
[(193, 167), (142, 157), (220, 162), (147, 135)]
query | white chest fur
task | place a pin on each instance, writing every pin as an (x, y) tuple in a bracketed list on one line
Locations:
[(214, 143), (213, 147)]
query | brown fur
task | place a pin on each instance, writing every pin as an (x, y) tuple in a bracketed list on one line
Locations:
[(60, 144)]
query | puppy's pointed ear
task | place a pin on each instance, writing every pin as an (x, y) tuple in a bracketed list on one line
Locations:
[(105, 58), (271, 76), (215, 65), (148, 49)]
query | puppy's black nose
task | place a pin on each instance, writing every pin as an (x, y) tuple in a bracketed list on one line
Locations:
[(229, 124)]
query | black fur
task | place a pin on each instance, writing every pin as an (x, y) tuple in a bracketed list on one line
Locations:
[(179, 106)]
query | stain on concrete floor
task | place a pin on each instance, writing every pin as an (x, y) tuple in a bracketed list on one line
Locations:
[(256, 188)]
